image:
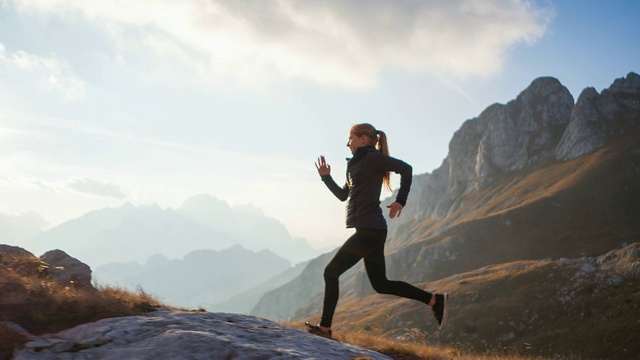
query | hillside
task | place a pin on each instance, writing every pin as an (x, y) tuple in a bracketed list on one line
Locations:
[(584, 307), (525, 184)]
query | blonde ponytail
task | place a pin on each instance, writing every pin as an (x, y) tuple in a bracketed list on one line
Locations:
[(378, 139)]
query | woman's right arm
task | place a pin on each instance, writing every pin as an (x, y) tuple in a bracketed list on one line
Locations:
[(324, 170)]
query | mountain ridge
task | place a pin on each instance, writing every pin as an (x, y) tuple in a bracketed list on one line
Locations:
[(127, 233)]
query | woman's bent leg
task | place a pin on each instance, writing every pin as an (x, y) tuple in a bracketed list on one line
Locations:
[(377, 272), (354, 249)]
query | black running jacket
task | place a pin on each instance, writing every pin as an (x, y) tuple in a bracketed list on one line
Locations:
[(362, 188)]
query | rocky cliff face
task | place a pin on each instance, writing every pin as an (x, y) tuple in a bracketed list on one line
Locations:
[(597, 117), (539, 129), (540, 125), (524, 132)]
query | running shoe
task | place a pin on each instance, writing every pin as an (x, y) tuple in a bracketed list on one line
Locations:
[(440, 309), (315, 330)]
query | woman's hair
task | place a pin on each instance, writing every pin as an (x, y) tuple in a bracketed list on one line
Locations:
[(378, 139)]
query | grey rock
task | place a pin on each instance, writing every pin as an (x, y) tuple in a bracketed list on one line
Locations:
[(526, 130), (67, 270), (597, 117), (167, 334), (17, 329)]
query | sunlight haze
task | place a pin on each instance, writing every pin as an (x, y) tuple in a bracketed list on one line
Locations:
[(104, 103)]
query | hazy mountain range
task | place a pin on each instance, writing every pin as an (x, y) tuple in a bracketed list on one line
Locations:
[(199, 280), (196, 256), (133, 233)]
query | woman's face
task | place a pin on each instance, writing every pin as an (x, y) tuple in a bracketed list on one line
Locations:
[(356, 141)]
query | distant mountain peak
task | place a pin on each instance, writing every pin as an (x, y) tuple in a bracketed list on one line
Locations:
[(629, 84), (598, 117)]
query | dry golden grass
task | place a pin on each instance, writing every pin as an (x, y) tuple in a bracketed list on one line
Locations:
[(29, 298), (395, 349), (411, 349), (42, 306)]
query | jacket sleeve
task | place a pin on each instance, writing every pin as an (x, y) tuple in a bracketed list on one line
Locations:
[(341, 193), (405, 170)]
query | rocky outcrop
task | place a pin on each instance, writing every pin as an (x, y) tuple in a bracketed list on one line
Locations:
[(67, 270), (599, 116), (524, 132), (167, 334), (540, 125), (55, 265)]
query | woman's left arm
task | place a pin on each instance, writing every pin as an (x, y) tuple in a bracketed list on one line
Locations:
[(406, 176)]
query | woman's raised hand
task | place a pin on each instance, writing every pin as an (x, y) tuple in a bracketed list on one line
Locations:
[(323, 167)]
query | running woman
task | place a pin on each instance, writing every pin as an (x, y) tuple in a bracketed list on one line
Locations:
[(367, 171)]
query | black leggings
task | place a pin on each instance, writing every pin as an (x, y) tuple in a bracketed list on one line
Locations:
[(367, 244)]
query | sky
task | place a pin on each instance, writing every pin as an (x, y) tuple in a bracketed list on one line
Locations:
[(151, 102)]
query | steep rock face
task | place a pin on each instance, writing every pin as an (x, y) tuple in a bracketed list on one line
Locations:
[(597, 116), (524, 132)]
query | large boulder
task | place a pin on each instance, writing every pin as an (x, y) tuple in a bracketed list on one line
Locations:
[(67, 270), (167, 334)]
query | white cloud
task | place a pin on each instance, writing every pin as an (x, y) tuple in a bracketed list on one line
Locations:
[(6, 132), (341, 42), (82, 185), (230, 159), (25, 183), (54, 74), (96, 187)]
